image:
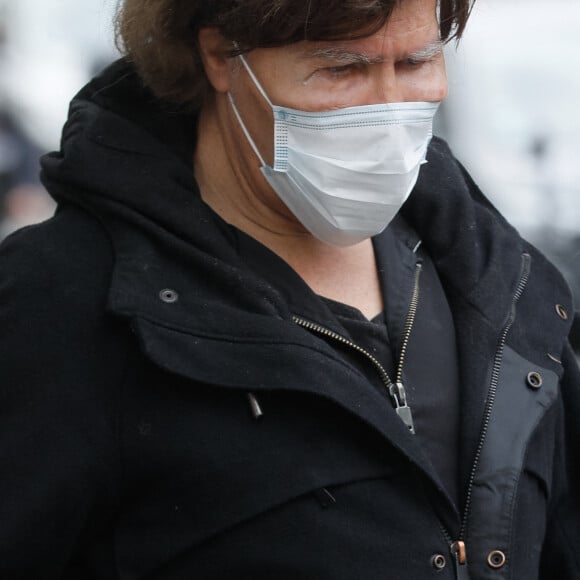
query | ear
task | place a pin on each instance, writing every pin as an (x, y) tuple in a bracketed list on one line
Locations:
[(213, 51)]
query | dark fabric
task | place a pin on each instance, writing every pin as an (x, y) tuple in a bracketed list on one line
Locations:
[(575, 334), (128, 447), (430, 370)]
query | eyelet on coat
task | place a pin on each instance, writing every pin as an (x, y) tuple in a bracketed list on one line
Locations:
[(562, 312), (534, 380), (169, 296), (496, 559), (438, 561)]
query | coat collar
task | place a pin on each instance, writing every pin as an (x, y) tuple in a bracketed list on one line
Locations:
[(127, 159)]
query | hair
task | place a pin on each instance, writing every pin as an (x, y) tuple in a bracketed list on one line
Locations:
[(160, 36)]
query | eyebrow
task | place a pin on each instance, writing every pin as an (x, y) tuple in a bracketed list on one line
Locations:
[(429, 51), (344, 55)]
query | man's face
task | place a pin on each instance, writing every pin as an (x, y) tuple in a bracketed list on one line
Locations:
[(403, 61)]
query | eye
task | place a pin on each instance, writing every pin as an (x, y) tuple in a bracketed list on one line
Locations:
[(340, 70), (421, 59), (415, 62)]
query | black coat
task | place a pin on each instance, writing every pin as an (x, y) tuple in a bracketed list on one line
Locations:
[(133, 335)]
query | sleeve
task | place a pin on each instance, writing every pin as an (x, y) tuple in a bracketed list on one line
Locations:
[(561, 554), (59, 369), (575, 334)]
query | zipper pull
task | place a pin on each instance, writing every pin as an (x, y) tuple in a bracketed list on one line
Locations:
[(460, 556), (255, 406), (397, 392)]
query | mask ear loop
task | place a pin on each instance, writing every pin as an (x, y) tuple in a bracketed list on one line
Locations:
[(252, 75), (237, 113), (245, 130), (255, 80)]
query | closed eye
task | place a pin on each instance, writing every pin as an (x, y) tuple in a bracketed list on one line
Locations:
[(416, 61), (341, 70), (413, 61), (433, 51)]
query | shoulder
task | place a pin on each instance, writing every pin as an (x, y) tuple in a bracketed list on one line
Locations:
[(68, 257), (62, 366), (54, 281)]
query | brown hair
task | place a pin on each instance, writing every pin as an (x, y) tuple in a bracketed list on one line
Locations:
[(160, 36)]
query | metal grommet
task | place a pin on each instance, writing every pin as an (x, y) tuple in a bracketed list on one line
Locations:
[(562, 312), (169, 296), (438, 562), (496, 559), (534, 380)]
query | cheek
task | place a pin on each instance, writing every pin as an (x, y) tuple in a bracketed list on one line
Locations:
[(256, 115), (429, 84), (440, 88)]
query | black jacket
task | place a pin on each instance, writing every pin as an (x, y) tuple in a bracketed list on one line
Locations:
[(133, 335)]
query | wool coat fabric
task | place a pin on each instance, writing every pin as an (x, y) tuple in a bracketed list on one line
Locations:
[(137, 349)]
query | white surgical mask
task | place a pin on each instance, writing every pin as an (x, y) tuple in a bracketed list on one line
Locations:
[(345, 173)]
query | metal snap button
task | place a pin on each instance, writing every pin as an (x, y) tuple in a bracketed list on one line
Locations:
[(562, 312), (438, 562), (169, 296), (496, 559), (534, 380)]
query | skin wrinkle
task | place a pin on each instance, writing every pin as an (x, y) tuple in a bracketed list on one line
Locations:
[(293, 80), (228, 170), (344, 55), (171, 66)]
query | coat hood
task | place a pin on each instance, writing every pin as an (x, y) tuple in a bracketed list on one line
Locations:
[(127, 158)]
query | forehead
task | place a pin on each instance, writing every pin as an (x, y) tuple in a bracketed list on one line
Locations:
[(412, 27)]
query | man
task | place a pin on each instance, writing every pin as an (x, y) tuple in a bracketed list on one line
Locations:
[(239, 351)]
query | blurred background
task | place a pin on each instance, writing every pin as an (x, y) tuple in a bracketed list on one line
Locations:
[(512, 116), (48, 51)]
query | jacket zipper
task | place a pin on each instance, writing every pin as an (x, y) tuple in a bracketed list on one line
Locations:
[(458, 547), (396, 389), (397, 392)]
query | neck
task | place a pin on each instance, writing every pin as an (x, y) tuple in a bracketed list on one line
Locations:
[(230, 181), (236, 190)]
